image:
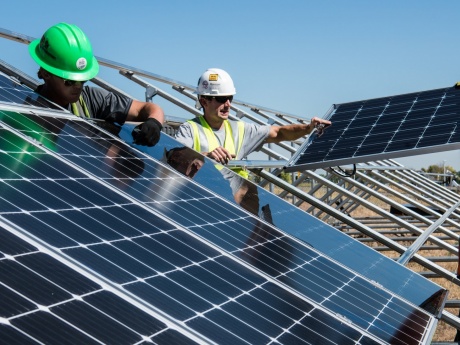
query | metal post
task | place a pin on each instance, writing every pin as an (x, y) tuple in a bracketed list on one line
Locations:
[(457, 335)]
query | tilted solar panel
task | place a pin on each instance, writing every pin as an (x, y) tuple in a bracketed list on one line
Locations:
[(137, 228), (381, 128), (133, 229), (45, 300), (15, 93), (294, 221)]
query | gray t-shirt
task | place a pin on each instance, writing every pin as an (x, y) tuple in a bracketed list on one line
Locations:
[(106, 105), (253, 139), (103, 104)]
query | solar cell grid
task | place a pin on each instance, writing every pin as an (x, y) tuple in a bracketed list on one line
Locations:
[(123, 213), (158, 191), (43, 300), (265, 248), (391, 127), (13, 92)]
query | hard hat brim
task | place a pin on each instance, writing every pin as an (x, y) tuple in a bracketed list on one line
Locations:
[(77, 76)]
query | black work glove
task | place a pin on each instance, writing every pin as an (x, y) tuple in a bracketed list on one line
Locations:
[(147, 133)]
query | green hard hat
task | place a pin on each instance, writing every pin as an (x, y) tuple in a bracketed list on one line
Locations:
[(65, 51)]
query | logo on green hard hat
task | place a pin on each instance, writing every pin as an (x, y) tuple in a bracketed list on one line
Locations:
[(44, 45), (81, 63), (65, 51)]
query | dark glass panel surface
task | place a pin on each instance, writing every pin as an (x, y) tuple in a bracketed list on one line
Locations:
[(12, 303), (23, 200), (155, 245), (278, 318), (181, 294), (40, 229), (161, 300), (122, 260), (319, 323), (252, 319), (100, 265), (402, 127), (141, 253), (31, 285), (58, 273), (35, 166), (171, 336), (10, 142), (198, 286), (182, 302), (13, 245), (10, 335), (215, 332), (244, 331), (48, 329), (106, 329)]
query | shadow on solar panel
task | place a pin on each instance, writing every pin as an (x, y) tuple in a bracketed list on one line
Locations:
[(126, 231)]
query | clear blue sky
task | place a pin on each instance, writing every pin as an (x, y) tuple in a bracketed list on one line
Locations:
[(296, 56)]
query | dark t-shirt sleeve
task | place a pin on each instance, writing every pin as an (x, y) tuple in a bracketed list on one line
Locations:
[(106, 105)]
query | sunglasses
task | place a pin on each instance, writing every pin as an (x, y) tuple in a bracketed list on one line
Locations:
[(70, 83), (221, 99)]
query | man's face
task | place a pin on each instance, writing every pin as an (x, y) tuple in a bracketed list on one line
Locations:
[(63, 91), (217, 107)]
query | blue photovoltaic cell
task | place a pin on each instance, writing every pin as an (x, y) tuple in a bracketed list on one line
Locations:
[(136, 227), (389, 127), (46, 301), (12, 92)]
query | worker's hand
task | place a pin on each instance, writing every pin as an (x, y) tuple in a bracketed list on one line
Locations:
[(220, 155), (147, 133), (317, 121), (320, 125)]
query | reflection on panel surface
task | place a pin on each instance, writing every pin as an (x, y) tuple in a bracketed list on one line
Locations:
[(12, 92), (152, 233), (296, 222), (388, 127)]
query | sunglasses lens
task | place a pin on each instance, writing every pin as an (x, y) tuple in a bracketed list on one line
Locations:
[(72, 82), (223, 99)]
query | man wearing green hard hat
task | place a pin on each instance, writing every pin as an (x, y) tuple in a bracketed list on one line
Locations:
[(66, 61)]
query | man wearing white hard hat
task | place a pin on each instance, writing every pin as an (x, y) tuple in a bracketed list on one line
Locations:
[(221, 139)]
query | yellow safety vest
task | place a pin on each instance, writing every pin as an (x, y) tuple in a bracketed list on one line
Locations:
[(80, 105), (213, 143)]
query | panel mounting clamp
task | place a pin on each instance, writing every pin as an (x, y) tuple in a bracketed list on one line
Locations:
[(150, 92)]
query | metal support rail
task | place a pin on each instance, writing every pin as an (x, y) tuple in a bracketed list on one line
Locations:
[(404, 259)]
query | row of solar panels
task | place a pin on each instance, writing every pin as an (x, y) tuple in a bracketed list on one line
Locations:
[(105, 242)]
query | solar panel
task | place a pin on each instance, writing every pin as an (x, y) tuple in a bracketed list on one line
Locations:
[(139, 228), (13, 92), (314, 232), (45, 300), (382, 128)]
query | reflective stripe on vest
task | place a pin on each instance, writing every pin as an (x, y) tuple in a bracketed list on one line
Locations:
[(213, 143), (80, 105)]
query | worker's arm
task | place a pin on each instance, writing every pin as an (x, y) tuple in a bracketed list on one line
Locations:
[(293, 131)]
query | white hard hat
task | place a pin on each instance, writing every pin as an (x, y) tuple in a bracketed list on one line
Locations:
[(215, 82)]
